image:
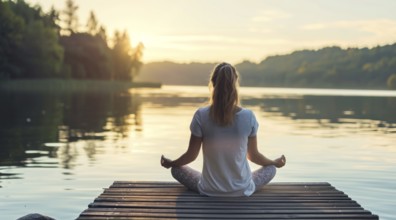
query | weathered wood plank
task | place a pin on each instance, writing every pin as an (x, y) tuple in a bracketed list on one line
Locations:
[(183, 195), (265, 188), (165, 209), (162, 184), (223, 200), (245, 218), (283, 187), (169, 200), (224, 215), (214, 205), (269, 186), (121, 212), (236, 216), (186, 192)]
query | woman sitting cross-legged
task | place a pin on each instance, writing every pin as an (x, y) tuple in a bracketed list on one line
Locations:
[(227, 133)]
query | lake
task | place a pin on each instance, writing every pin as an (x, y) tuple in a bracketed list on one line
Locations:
[(58, 150)]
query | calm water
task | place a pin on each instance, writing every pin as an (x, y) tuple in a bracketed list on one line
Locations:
[(58, 150)]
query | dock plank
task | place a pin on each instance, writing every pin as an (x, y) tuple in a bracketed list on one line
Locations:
[(170, 200)]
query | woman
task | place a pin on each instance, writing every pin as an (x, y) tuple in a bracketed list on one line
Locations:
[(227, 133)]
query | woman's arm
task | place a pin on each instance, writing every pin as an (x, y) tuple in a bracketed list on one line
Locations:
[(256, 157), (190, 155)]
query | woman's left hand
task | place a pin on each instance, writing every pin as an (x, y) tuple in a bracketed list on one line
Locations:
[(165, 162), (280, 162)]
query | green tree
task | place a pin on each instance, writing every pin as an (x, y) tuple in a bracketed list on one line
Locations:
[(102, 33), (70, 17), (42, 54), (86, 56), (53, 20), (31, 48), (121, 56), (33, 45), (137, 60), (92, 24), (126, 60), (11, 35)]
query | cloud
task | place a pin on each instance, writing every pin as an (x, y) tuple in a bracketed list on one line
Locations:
[(270, 15), (377, 26), (366, 32), (207, 41), (259, 23), (260, 30), (189, 42)]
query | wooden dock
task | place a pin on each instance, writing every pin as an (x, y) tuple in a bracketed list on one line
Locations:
[(170, 200)]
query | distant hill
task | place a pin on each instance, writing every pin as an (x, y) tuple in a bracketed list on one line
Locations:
[(176, 73), (329, 67)]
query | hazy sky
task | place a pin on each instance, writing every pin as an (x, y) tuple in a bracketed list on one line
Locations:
[(230, 30)]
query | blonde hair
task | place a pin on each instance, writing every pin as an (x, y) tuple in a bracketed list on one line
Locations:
[(224, 99)]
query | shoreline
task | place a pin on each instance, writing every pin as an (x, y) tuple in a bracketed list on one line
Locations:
[(72, 85), (106, 85)]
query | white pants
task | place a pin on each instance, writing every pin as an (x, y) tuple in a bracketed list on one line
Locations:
[(190, 177)]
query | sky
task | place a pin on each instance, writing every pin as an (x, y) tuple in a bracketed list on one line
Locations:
[(233, 31)]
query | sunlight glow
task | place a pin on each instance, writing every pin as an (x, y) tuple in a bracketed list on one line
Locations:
[(194, 30)]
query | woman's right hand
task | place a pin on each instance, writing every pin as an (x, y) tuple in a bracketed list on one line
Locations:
[(280, 162), (165, 162)]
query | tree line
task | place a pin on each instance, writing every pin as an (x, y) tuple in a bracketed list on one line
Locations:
[(329, 67), (35, 44)]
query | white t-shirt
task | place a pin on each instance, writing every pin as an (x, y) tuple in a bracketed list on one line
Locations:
[(226, 171)]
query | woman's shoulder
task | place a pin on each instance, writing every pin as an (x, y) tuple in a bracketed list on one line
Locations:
[(203, 109), (246, 111)]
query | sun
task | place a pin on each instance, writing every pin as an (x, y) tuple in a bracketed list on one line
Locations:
[(137, 38)]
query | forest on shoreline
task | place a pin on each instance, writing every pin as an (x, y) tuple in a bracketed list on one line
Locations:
[(35, 44), (329, 67)]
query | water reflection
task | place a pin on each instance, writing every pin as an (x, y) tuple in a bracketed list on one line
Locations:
[(76, 143), (34, 125), (376, 113), (37, 125)]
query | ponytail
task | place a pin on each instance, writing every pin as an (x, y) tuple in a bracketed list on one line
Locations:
[(224, 99)]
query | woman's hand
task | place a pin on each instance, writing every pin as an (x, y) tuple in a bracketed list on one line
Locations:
[(189, 156), (165, 162), (280, 162)]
